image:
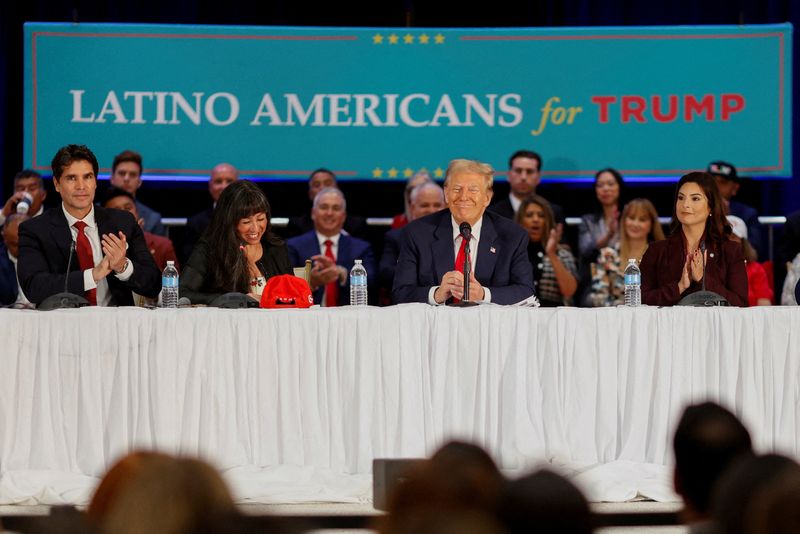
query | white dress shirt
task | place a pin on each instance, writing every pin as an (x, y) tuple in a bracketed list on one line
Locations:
[(103, 294), (473, 253), (334, 239), (515, 202)]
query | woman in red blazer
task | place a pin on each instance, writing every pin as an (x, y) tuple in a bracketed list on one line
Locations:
[(673, 268)]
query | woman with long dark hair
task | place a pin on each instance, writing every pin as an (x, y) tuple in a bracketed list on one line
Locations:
[(600, 229), (238, 252), (554, 269), (673, 268)]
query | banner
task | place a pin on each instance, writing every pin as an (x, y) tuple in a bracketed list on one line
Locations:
[(384, 103)]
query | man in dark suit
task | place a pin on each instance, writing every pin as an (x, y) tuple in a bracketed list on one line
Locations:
[(222, 175), (318, 180), (524, 175), (9, 252), (111, 258), (332, 251), (728, 183), (432, 248)]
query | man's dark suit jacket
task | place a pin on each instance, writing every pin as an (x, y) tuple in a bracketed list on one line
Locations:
[(8, 278), (353, 225), (44, 245), (503, 207), (195, 226), (664, 260), (427, 253), (350, 248)]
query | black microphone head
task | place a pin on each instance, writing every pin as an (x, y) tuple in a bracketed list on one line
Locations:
[(465, 229)]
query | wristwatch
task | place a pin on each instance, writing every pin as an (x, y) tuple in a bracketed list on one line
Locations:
[(127, 261)]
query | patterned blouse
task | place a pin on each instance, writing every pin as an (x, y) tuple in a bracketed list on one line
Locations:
[(544, 276), (608, 279)]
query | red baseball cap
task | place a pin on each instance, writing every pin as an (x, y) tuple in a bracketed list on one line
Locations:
[(286, 291)]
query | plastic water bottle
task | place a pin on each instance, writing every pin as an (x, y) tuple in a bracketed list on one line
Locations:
[(633, 284), (24, 205), (358, 285), (169, 286)]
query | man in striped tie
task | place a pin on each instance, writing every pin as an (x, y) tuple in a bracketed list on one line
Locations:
[(93, 252)]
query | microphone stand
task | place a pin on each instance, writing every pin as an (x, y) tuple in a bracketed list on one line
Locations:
[(465, 302), (703, 297)]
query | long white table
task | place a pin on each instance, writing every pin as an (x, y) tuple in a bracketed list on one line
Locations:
[(293, 405)]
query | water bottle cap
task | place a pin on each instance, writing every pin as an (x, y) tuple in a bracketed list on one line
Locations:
[(631, 260), (170, 262), (358, 261)]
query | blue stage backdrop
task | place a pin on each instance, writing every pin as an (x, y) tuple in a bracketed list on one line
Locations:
[(383, 103)]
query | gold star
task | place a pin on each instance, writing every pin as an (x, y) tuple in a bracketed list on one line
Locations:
[(438, 173), (438, 38), (377, 172), (423, 39), (393, 173), (408, 38), (377, 38), (393, 39), (408, 173)]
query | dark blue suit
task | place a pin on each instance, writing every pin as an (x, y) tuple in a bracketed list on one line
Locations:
[(427, 253), (8, 278), (305, 246)]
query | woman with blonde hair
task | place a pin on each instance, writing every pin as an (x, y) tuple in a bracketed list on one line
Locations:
[(639, 227)]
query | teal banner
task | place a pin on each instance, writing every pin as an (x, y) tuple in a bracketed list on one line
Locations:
[(384, 103)]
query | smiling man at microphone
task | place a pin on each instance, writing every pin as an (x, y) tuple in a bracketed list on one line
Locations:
[(110, 258), (433, 258)]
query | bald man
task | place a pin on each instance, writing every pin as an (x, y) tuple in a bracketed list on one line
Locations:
[(222, 175)]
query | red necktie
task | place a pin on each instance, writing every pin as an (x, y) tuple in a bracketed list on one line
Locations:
[(460, 256), (460, 260), (331, 288), (85, 258)]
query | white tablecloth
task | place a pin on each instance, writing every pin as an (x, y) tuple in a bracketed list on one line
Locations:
[(293, 405)]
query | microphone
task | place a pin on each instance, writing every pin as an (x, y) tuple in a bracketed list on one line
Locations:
[(703, 297), (234, 299), (65, 299), (466, 234)]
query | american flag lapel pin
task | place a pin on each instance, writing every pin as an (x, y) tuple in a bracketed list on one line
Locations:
[(492, 250)]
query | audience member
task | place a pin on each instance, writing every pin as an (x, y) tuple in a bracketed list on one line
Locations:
[(126, 173), (26, 182), (544, 502), (222, 175), (398, 221), (111, 258), (758, 291), (600, 229), (430, 265), (673, 268), (169, 496), (238, 252), (160, 247), (788, 249), (775, 508), (458, 478), (729, 182), (640, 227), (524, 175), (318, 180), (10, 290), (555, 273), (426, 198), (332, 250), (707, 441), (736, 492)]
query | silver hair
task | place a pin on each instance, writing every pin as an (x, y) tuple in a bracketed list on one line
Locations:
[(421, 187), (336, 191)]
